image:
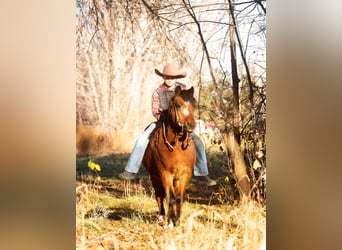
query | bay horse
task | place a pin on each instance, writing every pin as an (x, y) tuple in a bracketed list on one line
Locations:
[(170, 155)]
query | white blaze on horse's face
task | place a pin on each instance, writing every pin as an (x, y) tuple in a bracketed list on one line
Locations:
[(186, 109)]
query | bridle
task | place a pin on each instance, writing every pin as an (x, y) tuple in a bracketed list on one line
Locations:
[(178, 135)]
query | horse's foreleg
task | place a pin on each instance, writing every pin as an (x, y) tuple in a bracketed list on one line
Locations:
[(177, 185), (160, 202), (169, 202), (172, 211), (170, 198), (180, 190), (176, 201), (179, 203), (160, 194)]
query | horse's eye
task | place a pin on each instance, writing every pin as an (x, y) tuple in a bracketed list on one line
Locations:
[(178, 105)]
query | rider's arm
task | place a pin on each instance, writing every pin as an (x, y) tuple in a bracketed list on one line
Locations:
[(156, 104)]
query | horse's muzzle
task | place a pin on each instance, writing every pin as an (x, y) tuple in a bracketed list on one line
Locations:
[(189, 126)]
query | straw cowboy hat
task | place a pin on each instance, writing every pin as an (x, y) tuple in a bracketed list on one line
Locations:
[(171, 70)]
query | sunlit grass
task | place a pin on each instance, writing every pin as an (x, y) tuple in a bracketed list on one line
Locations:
[(114, 222), (116, 214)]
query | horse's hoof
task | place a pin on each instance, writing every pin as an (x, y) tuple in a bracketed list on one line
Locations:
[(160, 220)]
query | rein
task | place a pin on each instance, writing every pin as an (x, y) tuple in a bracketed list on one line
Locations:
[(181, 134)]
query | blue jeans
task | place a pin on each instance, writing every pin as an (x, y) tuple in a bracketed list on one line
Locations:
[(135, 159)]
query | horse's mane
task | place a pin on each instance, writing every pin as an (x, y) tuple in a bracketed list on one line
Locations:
[(188, 96)]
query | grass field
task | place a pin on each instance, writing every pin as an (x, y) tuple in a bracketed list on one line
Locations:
[(116, 214)]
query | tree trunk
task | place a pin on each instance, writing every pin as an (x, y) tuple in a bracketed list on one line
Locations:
[(242, 179), (232, 137)]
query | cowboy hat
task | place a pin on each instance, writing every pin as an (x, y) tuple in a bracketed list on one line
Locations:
[(171, 70)]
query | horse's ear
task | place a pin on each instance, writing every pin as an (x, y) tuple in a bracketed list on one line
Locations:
[(178, 90), (191, 90)]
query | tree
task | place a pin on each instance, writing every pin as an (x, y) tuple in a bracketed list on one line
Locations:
[(221, 44), (118, 42), (232, 136)]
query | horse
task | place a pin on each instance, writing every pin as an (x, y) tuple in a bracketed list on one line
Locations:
[(170, 155)]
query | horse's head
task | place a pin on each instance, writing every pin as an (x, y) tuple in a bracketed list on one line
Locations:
[(181, 109)]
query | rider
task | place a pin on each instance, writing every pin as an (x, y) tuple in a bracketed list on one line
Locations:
[(160, 101)]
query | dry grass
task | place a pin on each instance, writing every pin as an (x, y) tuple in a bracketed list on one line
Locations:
[(106, 219), (92, 141)]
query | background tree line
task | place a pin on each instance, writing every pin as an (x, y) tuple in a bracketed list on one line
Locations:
[(221, 44)]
